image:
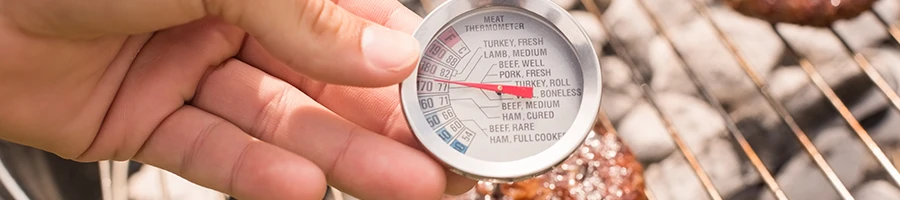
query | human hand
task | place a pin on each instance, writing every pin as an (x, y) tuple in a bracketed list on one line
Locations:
[(254, 99)]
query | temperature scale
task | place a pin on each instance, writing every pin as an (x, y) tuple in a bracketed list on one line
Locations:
[(504, 89)]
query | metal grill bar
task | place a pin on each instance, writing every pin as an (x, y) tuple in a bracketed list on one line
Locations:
[(732, 127), (649, 194), (889, 93)]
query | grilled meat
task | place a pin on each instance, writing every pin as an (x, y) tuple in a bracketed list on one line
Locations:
[(817, 13), (602, 168)]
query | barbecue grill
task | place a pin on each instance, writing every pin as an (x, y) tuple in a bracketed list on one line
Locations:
[(738, 137)]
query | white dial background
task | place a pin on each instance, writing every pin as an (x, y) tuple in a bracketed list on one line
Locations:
[(508, 47)]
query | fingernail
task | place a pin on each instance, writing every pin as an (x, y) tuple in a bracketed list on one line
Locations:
[(389, 49)]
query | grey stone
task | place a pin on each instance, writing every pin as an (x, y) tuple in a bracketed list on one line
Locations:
[(787, 81), (877, 190), (890, 10), (887, 62), (885, 134), (819, 45), (862, 31), (715, 64), (774, 142), (592, 26), (629, 23), (695, 121), (642, 130), (668, 70), (620, 93), (618, 103), (673, 178), (616, 73), (865, 30), (755, 39)]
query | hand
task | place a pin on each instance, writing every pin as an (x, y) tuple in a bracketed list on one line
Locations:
[(257, 99)]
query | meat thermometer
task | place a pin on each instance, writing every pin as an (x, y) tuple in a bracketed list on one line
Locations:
[(504, 90)]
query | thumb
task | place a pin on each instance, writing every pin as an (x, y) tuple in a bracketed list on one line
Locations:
[(315, 37), (324, 41)]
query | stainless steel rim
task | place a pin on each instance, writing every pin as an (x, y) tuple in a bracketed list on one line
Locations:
[(571, 31)]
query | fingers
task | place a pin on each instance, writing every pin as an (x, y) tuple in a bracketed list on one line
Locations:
[(315, 37), (161, 78), (214, 153), (358, 161), (381, 104), (375, 109)]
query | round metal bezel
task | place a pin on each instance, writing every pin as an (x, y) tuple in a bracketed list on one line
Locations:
[(528, 167)]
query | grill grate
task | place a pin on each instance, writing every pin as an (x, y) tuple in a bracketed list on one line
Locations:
[(817, 79), (763, 88)]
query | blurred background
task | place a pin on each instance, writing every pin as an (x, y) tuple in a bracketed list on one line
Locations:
[(741, 109)]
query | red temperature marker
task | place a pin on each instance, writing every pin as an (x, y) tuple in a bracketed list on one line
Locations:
[(524, 92)]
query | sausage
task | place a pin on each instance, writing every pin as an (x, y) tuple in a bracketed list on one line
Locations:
[(602, 168), (817, 13)]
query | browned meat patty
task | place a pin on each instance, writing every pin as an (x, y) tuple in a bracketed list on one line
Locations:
[(818, 13), (602, 168)]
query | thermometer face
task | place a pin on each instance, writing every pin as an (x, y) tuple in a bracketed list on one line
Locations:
[(500, 85), (500, 96)]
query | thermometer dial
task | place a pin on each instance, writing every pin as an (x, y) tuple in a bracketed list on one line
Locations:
[(504, 90)]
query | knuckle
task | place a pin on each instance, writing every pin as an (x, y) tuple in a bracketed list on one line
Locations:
[(345, 146), (269, 119), (229, 10), (326, 20), (197, 145)]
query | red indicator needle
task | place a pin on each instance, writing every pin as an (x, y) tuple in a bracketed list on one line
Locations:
[(524, 92)]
